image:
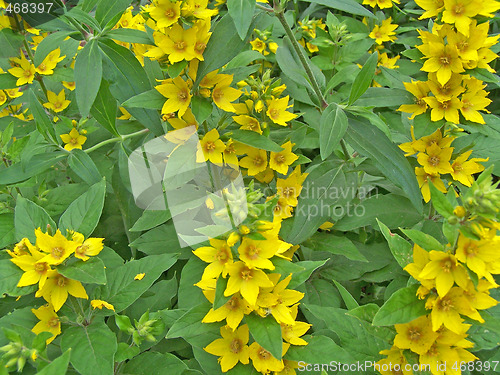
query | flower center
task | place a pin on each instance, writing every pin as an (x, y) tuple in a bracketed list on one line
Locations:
[(233, 304), (209, 146), (53, 322), (246, 274), (274, 113), (57, 252), (169, 13), (434, 160), (236, 346), (40, 267), (264, 354), (61, 281), (222, 256), (414, 334), (458, 9), (81, 250), (180, 46), (182, 96), (445, 60), (200, 46), (280, 159), (446, 304), (27, 73), (446, 265), (42, 67), (253, 252), (218, 94), (257, 161), (471, 250)]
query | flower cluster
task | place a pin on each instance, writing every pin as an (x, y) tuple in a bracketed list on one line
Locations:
[(454, 281), (434, 154), (308, 30), (40, 265), (242, 262), (451, 51)]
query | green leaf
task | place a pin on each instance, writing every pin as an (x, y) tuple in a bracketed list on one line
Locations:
[(88, 75), (317, 350), (349, 300), (384, 97), (301, 271), (10, 41), (127, 78), (224, 44), (219, 299), (93, 348), (349, 6), (7, 229), (339, 245), (58, 366), (29, 216), (424, 240), (17, 173), (129, 36), (150, 219), (402, 307), (267, 332), (104, 108), (291, 66), (364, 78), (122, 290), (392, 209), (160, 240), (241, 11), (43, 123), (151, 99), (7, 81), (254, 139), (154, 363), (400, 248), (440, 202), (201, 107), (83, 17), (319, 201), (90, 271), (105, 10), (332, 127), (191, 329), (83, 214), (373, 143), (84, 167)]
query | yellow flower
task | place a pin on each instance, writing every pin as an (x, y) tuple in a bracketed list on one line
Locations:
[(247, 281), (280, 161), (139, 276), (87, 248), (259, 45), (248, 123), (463, 169), (218, 255), (211, 148), (57, 287), (165, 13), (48, 64), (3, 97), (58, 102), (49, 322), (384, 32), (472, 103), (478, 255), (23, 247), (223, 94), (202, 36), (277, 300), (263, 361), (198, 9), (230, 153), (231, 348), (447, 310), (436, 160), (58, 247), (179, 44), (178, 95), (256, 254), (34, 270), (381, 3), (255, 161), (25, 72), (291, 332), (69, 85), (423, 179), (432, 7), (480, 298), (233, 311), (14, 93), (435, 138), (73, 140), (416, 335), (444, 60), (99, 304), (276, 110), (186, 120), (460, 12), (291, 187), (445, 270)]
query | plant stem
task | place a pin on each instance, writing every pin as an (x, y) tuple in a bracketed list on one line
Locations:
[(344, 150), (281, 17), (116, 139)]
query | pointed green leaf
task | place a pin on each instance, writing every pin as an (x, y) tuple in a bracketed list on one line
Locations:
[(364, 78), (88, 74)]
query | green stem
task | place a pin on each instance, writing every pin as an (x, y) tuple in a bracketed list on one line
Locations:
[(116, 139), (281, 17), (344, 149)]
